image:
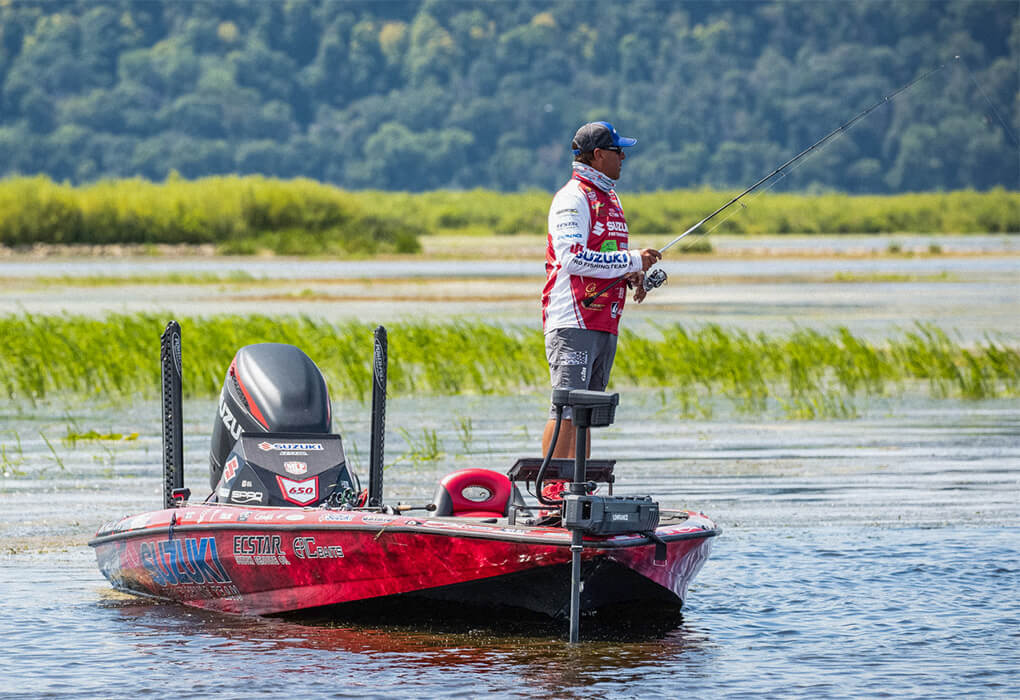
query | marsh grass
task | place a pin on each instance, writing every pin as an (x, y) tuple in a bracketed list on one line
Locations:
[(869, 277), (806, 373), (249, 215), (238, 214), (73, 437), (234, 277), (672, 212), (53, 451), (420, 451), (465, 432), (12, 459)]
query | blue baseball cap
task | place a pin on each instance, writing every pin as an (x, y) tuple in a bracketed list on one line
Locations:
[(599, 135)]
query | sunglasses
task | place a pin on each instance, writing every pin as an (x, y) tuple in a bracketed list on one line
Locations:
[(614, 149)]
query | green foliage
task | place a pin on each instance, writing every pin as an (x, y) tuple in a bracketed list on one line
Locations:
[(807, 373), (411, 95), (244, 215), (241, 215)]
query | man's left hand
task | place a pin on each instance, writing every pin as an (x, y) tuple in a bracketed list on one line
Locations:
[(636, 280)]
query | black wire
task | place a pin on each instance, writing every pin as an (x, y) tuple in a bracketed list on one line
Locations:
[(547, 460)]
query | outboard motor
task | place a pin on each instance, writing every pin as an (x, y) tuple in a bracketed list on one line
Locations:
[(270, 442)]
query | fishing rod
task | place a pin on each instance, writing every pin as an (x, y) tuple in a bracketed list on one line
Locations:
[(655, 280)]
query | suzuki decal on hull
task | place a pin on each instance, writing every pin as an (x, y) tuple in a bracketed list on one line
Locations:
[(187, 561)]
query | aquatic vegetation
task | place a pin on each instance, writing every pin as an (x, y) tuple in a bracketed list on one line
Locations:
[(870, 277), (427, 449), (238, 277), (247, 215), (53, 451), (241, 215), (73, 437), (465, 432), (11, 460), (805, 373)]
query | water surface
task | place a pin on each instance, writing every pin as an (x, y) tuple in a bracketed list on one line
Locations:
[(771, 284), (858, 559)]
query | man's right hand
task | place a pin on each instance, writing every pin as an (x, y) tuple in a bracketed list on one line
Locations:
[(649, 256)]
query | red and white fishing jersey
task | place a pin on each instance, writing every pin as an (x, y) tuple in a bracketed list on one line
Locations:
[(586, 249)]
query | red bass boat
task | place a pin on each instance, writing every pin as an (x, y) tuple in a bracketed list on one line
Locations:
[(288, 528)]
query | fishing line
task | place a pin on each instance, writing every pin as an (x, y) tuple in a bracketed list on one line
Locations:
[(660, 278), (970, 74), (991, 104), (743, 205)]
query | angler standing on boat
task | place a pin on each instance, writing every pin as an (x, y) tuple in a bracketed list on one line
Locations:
[(587, 245)]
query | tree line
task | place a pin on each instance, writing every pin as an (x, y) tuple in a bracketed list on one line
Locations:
[(426, 94)]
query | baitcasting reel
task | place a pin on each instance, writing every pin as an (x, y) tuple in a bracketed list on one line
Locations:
[(655, 278)]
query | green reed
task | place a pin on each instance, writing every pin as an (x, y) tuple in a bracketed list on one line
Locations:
[(246, 215), (241, 215), (234, 277), (805, 373)]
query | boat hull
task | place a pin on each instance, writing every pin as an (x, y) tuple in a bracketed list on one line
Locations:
[(264, 561)]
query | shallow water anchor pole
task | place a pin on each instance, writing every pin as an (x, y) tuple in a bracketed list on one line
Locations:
[(575, 584), (173, 441), (380, 361), (577, 486)]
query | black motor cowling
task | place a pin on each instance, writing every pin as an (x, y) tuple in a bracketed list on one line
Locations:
[(286, 470), (269, 388)]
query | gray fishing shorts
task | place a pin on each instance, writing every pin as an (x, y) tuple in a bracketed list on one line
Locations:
[(579, 359)]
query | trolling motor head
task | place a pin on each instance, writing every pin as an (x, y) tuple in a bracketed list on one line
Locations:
[(591, 409), (599, 515)]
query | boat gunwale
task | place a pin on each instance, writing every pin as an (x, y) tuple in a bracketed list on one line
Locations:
[(557, 539)]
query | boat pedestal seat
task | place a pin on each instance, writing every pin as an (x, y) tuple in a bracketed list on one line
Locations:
[(474, 493)]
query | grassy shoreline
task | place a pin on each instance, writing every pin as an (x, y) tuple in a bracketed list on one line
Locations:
[(531, 247), (251, 215)]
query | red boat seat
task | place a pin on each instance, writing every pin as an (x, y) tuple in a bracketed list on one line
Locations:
[(474, 493)]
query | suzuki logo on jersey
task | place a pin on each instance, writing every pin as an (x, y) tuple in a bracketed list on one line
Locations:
[(620, 226), (598, 229), (300, 492), (267, 446), (587, 255), (229, 422)]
